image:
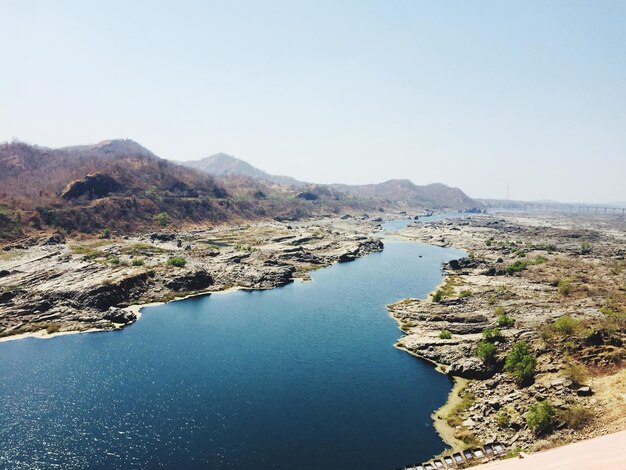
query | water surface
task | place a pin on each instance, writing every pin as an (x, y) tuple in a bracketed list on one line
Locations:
[(305, 376)]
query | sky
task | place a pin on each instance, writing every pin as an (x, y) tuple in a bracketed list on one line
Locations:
[(525, 99)]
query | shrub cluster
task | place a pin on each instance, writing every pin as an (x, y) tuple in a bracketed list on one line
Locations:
[(505, 321), (177, 261), (445, 334), (492, 335), (541, 417), (521, 363), (566, 325), (486, 352), (564, 287)]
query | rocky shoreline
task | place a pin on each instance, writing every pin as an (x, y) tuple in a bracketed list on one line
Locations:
[(510, 285), (51, 286), (556, 283)]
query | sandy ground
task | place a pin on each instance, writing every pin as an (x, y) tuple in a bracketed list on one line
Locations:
[(442, 427), (606, 452)]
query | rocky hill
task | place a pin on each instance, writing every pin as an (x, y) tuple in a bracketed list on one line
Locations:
[(404, 192), (431, 196), (222, 164), (114, 184)]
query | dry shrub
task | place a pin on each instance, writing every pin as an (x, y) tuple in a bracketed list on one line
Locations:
[(576, 416)]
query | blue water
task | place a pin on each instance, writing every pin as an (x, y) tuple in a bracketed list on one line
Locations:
[(305, 376)]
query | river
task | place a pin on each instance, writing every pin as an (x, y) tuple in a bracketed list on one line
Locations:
[(300, 377)]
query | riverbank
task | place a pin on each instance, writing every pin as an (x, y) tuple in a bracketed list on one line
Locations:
[(55, 286), (553, 282)]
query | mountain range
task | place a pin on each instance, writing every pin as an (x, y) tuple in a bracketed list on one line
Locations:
[(400, 191), (121, 185)]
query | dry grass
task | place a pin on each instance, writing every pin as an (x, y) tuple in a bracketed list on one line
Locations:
[(9, 255)]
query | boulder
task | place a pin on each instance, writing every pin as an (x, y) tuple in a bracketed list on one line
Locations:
[(470, 368), (55, 239), (118, 315), (7, 296), (162, 237), (193, 281)]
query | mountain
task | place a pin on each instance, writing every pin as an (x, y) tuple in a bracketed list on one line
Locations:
[(432, 196), (115, 184), (403, 191), (222, 164), (110, 148), (32, 175), (120, 185)]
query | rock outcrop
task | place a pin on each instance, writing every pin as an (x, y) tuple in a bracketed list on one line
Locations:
[(92, 186)]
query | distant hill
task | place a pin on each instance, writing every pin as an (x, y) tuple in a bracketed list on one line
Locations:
[(115, 184), (431, 196), (222, 164), (110, 148)]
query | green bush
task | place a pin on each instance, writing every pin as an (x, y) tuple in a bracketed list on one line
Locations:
[(521, 363), (564, 287), (505, 321), (516, 266), (614, 314), (445, 334), (486, 351), (521, 264), (177, 261), (162, 219), (106, 233), (137, 262), (114, 260), (437, 296), (541, 417), (492, 335), (585, 247), (465, 293), (500, 310), (566, 325)]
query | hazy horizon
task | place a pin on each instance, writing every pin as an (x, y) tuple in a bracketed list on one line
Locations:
[(481, 96)]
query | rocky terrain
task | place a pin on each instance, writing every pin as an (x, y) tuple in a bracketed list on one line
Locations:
[(50, 285), (552, 288)]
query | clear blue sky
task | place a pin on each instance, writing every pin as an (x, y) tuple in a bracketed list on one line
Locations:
[(475, 94)]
